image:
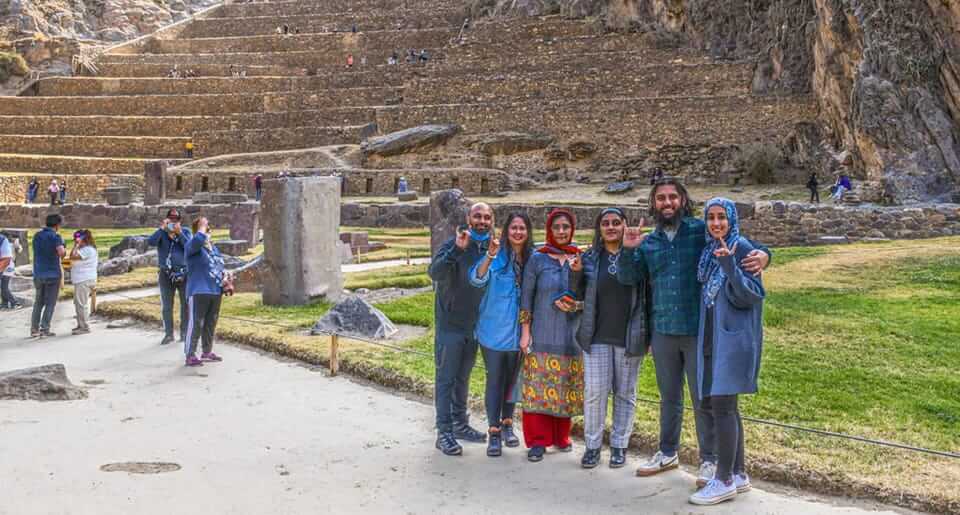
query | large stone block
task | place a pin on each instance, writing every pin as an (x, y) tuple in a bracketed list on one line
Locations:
[(245, 222), (448, 210), (118, 195), (301, 222), (155, 183)]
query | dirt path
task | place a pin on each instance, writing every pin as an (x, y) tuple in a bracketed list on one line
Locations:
[(257, 435)]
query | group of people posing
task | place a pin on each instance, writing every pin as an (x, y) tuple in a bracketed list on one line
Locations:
[(57, 191), (561, 329), (190, 266)]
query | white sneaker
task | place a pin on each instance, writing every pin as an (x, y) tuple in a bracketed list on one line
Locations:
[(715, 492), (707, 472), (742, 480), (658, 463)]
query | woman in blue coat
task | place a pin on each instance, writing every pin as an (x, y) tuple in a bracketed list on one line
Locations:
[(499, 272), (729, 344), (206, 277)]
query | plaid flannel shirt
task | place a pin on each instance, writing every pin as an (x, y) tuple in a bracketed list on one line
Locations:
[(671, 267)]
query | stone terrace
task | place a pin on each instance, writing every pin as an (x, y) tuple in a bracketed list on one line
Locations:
[(565, 77)]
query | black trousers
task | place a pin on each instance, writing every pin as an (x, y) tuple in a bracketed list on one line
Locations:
[(814, 195), (167, 293), (204, 313), (455, 353), (47, 291), (6, 296), (501, 373), (729, 434)]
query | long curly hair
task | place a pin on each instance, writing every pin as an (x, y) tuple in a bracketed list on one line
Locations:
[(685, 209)]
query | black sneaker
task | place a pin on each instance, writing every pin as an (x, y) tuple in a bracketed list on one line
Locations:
[(566, 448), (167, 340), (448, 444), (535, 453), (494, 444), (509, 437), (618, 457), (465, 432), (590, 459)]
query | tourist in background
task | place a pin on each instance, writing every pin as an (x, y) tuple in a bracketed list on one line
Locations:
[(188, 149), (33, 187), (553, 366), (841, 186), (63, 191), (499, 273), (258, 186), (667, 259), (83, 275), (729, 344), (613, 336), (402, 185), (7, 264), (814, 186), (171, 241), (207, 281), (455, 310), (48, 251), (54, 191)]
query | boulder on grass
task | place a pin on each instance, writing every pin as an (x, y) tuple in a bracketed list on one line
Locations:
[(414, 139), (617, 188), (43, 383), (130, 242), (354, 316)]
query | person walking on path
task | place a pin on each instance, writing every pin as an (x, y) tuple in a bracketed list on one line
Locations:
[(455, 346), (729, 344), (814, 186), (63, 191), (613, 336), (48, 250), (206, 278), (258, 186), (171, 242), (498, 273), (83, 276), (552, 366), (7, 259), (668, 258)]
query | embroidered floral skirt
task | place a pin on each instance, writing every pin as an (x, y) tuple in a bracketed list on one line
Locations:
[(552, 384)]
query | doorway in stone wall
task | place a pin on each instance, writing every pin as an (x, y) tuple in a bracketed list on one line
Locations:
[(204, 183), (368, 188), (426, 186), (232, 184), (178, 185), (455, 183), (484, 185)]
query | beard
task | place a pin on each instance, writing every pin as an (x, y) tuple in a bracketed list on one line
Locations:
[(667, 221)]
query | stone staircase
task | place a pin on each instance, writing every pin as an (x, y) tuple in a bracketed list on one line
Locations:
[(564, 77)]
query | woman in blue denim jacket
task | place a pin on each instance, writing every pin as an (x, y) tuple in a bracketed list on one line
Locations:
[(729, 344), (498, 330)]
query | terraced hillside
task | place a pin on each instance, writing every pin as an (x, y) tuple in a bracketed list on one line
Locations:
[(563, 77)]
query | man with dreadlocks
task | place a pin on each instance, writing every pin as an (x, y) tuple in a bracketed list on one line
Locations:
[(668, 259)]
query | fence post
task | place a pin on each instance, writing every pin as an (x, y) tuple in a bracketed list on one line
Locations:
[(334, 348)]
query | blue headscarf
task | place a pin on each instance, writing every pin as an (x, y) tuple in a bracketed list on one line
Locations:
[(708, 270)]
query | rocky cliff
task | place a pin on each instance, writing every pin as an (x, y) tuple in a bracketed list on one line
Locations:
[(884, 72), (48, 32)]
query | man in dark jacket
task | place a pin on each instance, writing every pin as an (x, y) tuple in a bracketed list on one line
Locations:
[(455, 348), (171, 241)]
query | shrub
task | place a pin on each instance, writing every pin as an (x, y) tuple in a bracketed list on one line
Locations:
[(759, 161), (12, 64)]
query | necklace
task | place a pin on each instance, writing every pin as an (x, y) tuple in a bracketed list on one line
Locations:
[(614, 258)]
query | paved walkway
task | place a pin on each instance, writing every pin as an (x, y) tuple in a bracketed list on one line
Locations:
[(256, 435)]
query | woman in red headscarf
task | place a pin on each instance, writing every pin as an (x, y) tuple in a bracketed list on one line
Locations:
[(552, 368)]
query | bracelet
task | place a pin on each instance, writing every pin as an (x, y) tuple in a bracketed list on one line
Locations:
[(525, 316), (491, 257)]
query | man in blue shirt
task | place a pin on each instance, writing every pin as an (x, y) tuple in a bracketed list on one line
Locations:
[(171, 241), (668, 258), (48, 250), (456, 308)]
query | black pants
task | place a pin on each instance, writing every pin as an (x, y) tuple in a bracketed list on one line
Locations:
[(167, 291), (7, 299), (455, 353), (204, 313), (729, 434), (814, 195), (47, 291), (501, 373)]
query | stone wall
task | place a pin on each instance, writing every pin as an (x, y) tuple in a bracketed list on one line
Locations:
[(80, 188), (104, 216), (792, 223), (418, 215)]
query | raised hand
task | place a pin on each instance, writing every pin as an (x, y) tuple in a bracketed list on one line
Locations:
[(463, 239), (723, 250), (576, 264), (163, 224), (494, 247), (633, 236)]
